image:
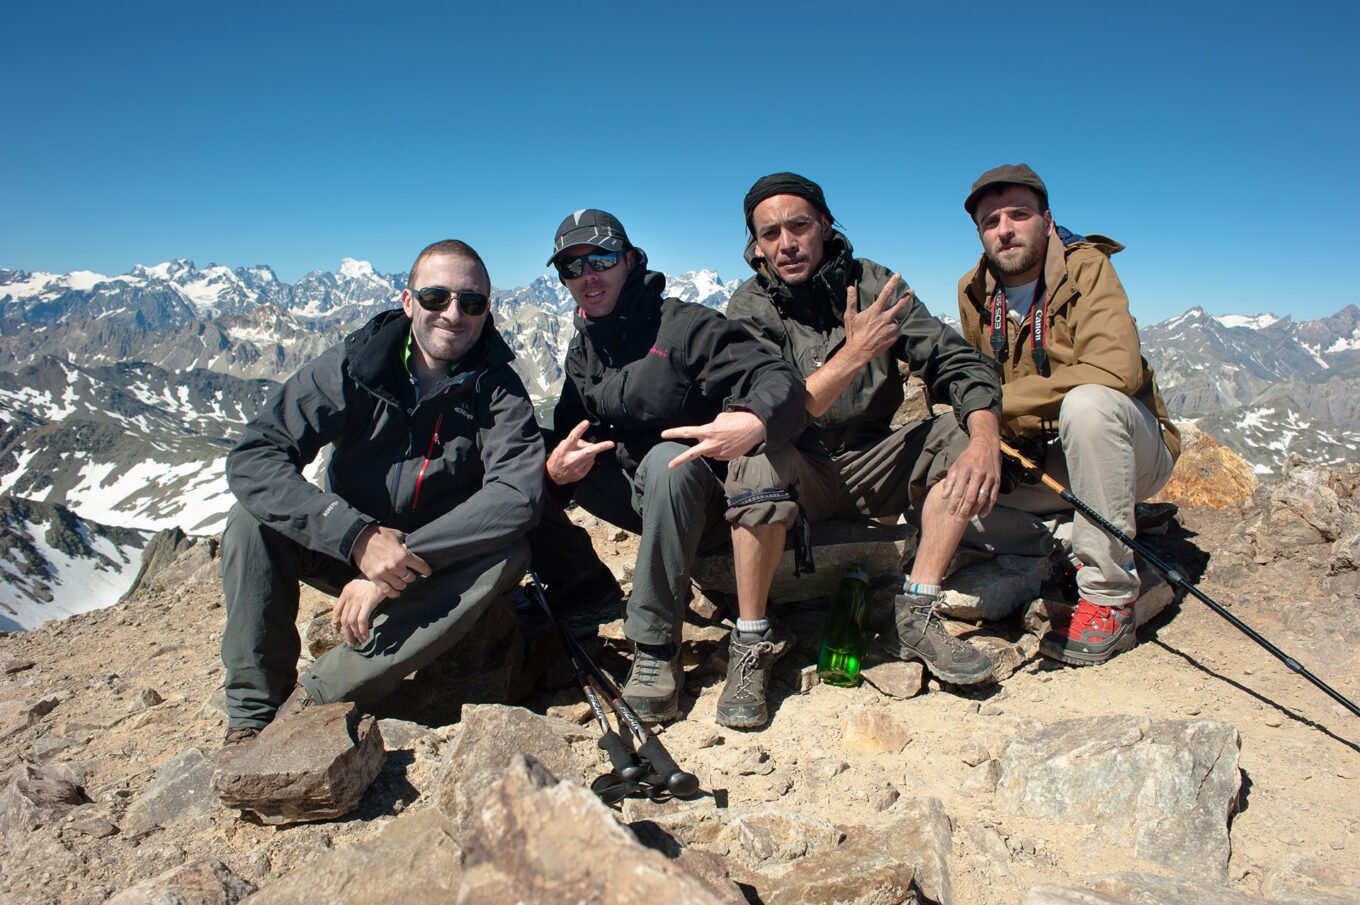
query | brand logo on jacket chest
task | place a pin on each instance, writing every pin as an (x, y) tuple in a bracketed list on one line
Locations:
[(659, 352)]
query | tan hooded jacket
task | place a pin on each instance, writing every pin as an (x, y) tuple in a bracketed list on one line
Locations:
[(1092, 337)]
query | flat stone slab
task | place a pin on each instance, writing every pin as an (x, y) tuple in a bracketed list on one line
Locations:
[(878, 549), (312, 766), (994, 589)]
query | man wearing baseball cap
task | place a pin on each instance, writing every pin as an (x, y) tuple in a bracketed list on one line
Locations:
[(1048, 306), (643, 373), (846, 323)]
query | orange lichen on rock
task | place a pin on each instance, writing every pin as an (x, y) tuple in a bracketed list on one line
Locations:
[(1208, 474)]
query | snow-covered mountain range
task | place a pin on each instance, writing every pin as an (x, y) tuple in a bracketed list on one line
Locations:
[(120, 395)]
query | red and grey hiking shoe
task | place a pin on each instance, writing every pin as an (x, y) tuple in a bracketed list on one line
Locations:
[(1095, 634)]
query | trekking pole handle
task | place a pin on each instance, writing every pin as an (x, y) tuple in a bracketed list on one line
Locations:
[(1032, 468), (677, 781)]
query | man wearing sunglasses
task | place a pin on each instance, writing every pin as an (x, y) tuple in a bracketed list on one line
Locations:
[(435, 476), (1048, 305), (846, 323), (644, 373)]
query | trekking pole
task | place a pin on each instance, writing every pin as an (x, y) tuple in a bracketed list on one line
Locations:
[(1175, 577), (662, 769)]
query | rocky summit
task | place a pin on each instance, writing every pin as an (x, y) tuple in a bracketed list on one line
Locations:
[(1196, 768)]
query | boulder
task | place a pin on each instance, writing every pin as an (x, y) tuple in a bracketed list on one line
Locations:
[(1166, 789), (923, 835), (200, 882), (859, 871), (768, 836), (1148, 889), (18, 715), (1207, 474), (312, 766), (489, 738), (531, 838), (182, 789)]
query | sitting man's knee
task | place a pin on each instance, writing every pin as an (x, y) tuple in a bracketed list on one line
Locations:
[(1090, 404)]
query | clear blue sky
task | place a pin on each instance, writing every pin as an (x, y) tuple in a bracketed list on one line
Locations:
[(1218, 141)]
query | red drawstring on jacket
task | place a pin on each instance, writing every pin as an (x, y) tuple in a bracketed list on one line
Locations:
[(420, 478)]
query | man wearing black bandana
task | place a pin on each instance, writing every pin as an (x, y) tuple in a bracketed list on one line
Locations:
[(1048, 305), (845, 323), (643, 373)]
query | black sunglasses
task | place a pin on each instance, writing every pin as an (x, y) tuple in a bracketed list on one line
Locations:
[(437, 298), (599, 261)]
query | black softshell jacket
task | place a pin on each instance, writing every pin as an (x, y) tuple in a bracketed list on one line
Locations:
[(461, 471), (656, 362)]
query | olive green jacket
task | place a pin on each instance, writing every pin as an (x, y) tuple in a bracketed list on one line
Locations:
[(806, 331)]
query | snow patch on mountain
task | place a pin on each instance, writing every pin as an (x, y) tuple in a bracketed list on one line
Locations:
[(1250, 321)]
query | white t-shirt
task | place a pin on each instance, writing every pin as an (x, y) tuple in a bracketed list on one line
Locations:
[(1019, 299)]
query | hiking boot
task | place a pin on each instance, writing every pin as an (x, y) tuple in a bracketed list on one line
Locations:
[(1095, 634), (923, 638), (296, 702), (240, 735), (742, 704), (654, 682)]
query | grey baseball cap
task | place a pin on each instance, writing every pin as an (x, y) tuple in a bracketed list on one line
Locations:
[(590, 227)]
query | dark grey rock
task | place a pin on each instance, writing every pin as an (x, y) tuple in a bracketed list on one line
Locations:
[(35, 796), (994, 589)]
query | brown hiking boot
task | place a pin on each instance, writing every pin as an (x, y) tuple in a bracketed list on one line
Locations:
[(923, 638)]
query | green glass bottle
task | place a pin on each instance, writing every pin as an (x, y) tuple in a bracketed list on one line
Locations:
[(843, 640)]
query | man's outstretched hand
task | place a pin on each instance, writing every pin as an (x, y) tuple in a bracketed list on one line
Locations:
[(727, 436), (572, 459)]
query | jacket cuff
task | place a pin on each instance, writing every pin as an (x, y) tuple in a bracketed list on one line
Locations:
[(978, 401), (352, 536)]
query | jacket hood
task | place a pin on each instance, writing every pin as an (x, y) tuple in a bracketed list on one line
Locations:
[(837, 256), (374, 351), (1055, 261)]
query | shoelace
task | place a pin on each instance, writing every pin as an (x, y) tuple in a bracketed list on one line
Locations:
[(1094, 618), (647, 669), (750, 657), (954, 645)]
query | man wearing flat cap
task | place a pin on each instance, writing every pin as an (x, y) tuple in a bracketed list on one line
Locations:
[(1048, 306), (845, 323), (643, 373)]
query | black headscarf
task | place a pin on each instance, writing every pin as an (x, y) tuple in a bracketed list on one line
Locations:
[(784, 184)]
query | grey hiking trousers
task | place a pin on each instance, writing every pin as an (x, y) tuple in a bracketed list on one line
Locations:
[(260, 573)]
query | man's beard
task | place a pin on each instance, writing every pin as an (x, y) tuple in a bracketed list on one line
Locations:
[(1028, 257)]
